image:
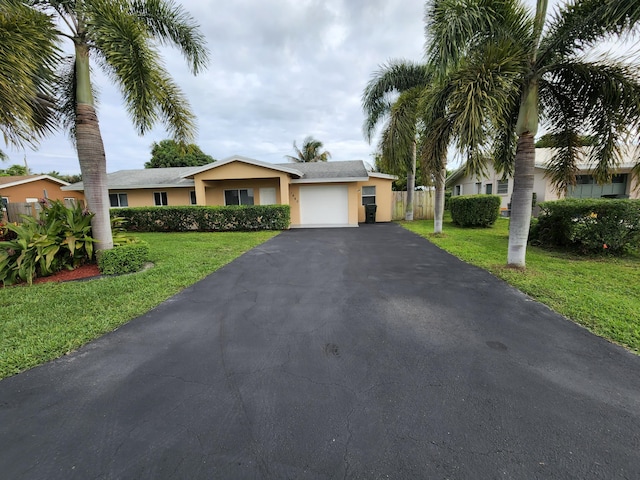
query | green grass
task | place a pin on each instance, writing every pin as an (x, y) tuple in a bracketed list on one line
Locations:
[(45, 321), (600, 293)]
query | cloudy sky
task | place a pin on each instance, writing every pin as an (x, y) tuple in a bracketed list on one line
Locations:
[(280, 70)]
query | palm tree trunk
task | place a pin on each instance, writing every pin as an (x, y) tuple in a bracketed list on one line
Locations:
[(93, 163), (411, 185), (438, 208), (521, 200)]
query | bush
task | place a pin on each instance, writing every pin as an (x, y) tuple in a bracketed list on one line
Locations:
[(204, 219), (475, 210), (125, 258), (589, 225), (59, 238)]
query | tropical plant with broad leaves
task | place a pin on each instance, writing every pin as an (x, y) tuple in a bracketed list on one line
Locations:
[(59, 238), (503, 68), (392, 97), (311, 151), (122, 38)]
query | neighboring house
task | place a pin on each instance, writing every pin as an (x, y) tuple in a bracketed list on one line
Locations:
[(623, 184), (322, 194), (31, 188)]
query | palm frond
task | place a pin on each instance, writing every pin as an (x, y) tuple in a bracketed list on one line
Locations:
[(579, 24), (391, 79), (399, 135), (598, 99), (172, 25), (28, 54), (454, 27), (564, 164)]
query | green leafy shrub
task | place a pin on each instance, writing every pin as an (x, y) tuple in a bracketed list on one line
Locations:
[(589, 225), (5, 233), (475, 210), (125, 258), (204, 219), (59, 238)]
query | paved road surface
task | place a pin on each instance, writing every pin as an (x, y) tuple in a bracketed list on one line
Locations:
[(337, 353)]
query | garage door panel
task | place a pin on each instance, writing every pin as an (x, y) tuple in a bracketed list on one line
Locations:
[(324, 205)]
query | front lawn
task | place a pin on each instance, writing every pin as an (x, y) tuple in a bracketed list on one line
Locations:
[(44, 321), (601, 293)]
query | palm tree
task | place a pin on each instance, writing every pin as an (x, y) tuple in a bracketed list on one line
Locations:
[(28, 56), (121, 36), (393, 93), (310, 152), (508, 68)]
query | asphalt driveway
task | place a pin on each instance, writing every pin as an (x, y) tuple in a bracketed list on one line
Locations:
[(337, 353)]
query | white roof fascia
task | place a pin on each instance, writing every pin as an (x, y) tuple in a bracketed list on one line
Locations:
[(29, 180), (250, 161), (330, 180), (382, 175)]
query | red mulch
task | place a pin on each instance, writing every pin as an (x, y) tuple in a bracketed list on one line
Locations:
[(83, 271)]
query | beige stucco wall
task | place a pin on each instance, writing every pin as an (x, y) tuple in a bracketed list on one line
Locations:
[(212, 183), (20, 193), (143, 197), (384, 199)]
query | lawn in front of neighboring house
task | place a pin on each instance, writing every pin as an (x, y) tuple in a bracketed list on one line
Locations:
[(601, 293), (45, 321)]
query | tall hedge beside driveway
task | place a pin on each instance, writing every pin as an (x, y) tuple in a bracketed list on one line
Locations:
[(204, 219), (475, 210), (589, 225)]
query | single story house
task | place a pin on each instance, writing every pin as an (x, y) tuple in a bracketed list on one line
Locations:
[(31, 188), (322, 194), (623, 183)]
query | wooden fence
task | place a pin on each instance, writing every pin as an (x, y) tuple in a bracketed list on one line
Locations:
[(422, 205), (14, 210)]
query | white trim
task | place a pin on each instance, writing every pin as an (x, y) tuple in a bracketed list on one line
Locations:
[(382, 175), (33, 179), (247, 160)]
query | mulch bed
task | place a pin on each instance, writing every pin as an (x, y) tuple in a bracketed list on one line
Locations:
[(83, 271)]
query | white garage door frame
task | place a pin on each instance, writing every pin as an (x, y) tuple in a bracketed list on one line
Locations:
[(324, 206)]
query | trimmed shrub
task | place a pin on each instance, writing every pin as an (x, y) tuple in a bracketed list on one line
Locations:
[(204, 219), (475, 210), (126, 258), (589, 225)]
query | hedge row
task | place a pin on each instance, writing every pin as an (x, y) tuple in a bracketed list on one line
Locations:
[(204, 219), (589, 225), (475, 210)]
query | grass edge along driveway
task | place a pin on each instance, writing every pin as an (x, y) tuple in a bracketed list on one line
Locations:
[(45, 321), (599, 293)]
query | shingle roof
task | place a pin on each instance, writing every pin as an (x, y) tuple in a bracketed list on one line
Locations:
[(348, 170), (145, 178)]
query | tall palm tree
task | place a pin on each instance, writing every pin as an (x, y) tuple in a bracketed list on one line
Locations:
[(509, 68), (28, 56), (310, 152), (393, 95), (121, 36)]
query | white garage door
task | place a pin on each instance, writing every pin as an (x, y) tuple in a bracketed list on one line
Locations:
[(324, 206)]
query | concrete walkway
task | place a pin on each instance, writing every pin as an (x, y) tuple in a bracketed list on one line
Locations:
[(337, 353)]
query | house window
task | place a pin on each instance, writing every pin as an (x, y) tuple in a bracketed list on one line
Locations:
[(118, 200), (458, 190), (584, 180), (31, 200), (160, 199), (503, 187), (192, 197), (479, 187), (619, 178), (241, 196), (369, 195), (488, 188)]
